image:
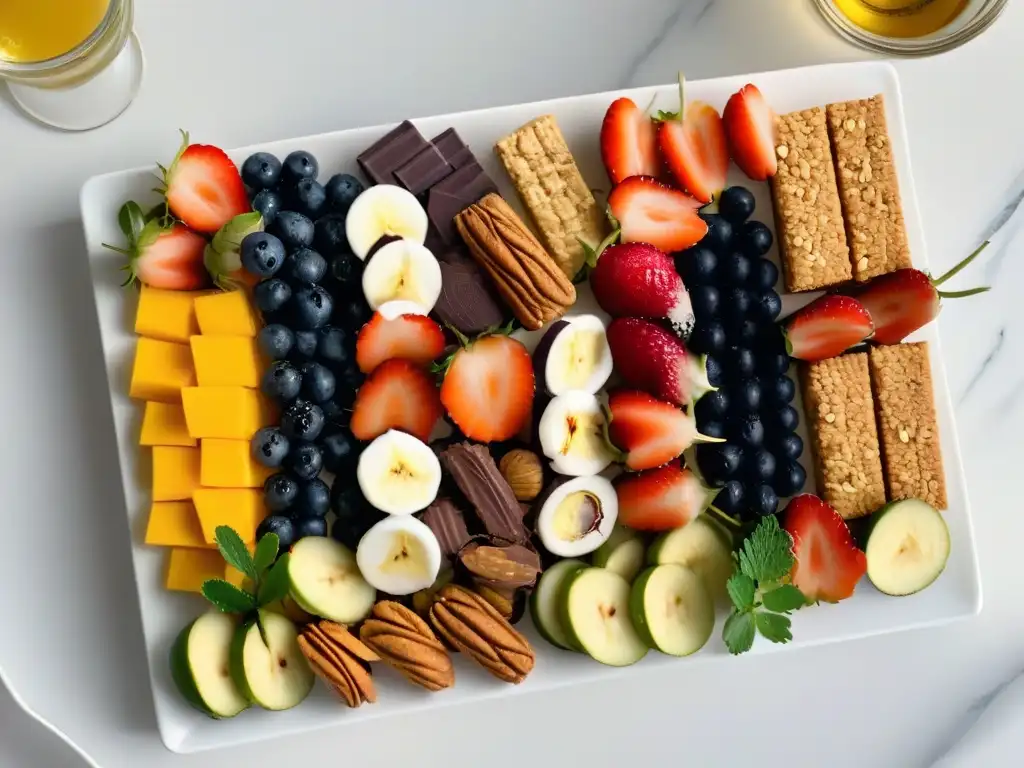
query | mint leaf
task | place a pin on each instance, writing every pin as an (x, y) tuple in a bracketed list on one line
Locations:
[(738, 632), (131, 220), (266, 553), (784, 599), (226, 597), (767, 554), (275, 585), (741, 590), (234, 551), (774, 627)]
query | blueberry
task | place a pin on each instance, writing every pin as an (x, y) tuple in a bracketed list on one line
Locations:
[(309, 198), (746, 396), (333, 345), (762, 500), (275, 341), (749, 431), (755, 239), (311, 308), (736, 268), (293, 229), (789, 446), (330, 236), (736, 204), (262, 254), (711, 407), (768, 305), (304, 267), (718, 462), (730, 499), (713, 429), (317, 382), (742, 363), (270, 295), (764, 274), (269, 446), (789, 478), (350, 379), (773, 363), (280, 492), (299, 165), (281, 381), (334, 411), (705, 300), (713, 369), (341, 452), (314, 499), (261, 171), (708, 338), (347, 501), (771, 340), (737, 303), (781, 390), (305, 345), (304, 460), (302, 421), (784, 419), (720, 234), (742, 333), (310, 526), (759, 466), (347, 272), (342, 190), (355, 313), (268, 203), (282, 527), (697, 265)]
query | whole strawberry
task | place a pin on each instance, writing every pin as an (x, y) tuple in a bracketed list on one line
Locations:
[(650, 358), (161, 254)]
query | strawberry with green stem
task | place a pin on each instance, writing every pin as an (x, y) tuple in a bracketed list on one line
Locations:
[(162, 253)]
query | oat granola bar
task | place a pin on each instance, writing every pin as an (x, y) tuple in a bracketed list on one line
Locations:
[(808, 215), (901, 378), (868, 187), (841, 420), (542, 169)]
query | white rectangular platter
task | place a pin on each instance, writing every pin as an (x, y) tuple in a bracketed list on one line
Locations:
[(956, 594)]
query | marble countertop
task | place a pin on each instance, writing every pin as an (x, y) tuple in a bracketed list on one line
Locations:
[(237, 73)]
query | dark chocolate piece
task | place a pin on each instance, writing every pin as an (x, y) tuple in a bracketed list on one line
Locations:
[(391, 152), (423, 171), (449, 526), (474, 471), (454, 194), (467, 301), (452, 148)]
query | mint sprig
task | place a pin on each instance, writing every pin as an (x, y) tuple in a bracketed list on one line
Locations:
[(267, 574)]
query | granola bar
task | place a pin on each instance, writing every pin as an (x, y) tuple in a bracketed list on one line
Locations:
[(808, 216), (868, 187), (902, 381), (841, 420), (543, 171)]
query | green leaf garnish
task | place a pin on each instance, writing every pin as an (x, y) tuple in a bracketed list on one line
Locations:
[(226, 597), (131, 220), (767, 554), (742, 590), (783, 599), (234, 551), (773, 626), (274, 586), (266, 571), (738, 632), (266, 553)]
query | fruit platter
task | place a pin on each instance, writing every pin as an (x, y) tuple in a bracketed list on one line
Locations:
[(493, 402)]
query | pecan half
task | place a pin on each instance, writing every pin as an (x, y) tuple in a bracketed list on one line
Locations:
[(340, 660), (406, 642), (502, 568)]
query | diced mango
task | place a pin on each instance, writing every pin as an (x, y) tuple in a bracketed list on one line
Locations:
[(174, 524), (175, 472), (227, 314), (187, 569), (164, 424), (161, 369), (234, 576), (229, 464), (167, 315), (226, 361), (238, 508), (234, 413)]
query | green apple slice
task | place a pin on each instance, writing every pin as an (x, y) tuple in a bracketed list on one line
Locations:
[(273, 674), (544, 603), (907, 547), (672, 609), (703, 547), (623, 553), (200, 666), (325, 581), (595, 614)]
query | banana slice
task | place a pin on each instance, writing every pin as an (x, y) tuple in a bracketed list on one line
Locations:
[(398, 473), (402, 270), (572, 434), (384, 210), (577, 516), (574, 354), (399, 555)]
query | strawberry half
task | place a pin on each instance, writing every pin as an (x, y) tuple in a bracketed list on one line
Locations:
[(827, 327), (650, 212), (650, 432), (161, 254), (488, 388), (638, 280), (903, 301), (650, 358), (203, 187), (751, 132), (628, 142), (661, 499), (399, 394), (828, 563), (692, 144), (409, 337)]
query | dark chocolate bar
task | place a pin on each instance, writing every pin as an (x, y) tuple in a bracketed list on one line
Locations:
[(391, 152), (448, 525), (467, 301), (474, 471), (454, 194), (452, 148), (423, 171)]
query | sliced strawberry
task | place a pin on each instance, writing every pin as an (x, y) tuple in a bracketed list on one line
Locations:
[(650, 358), (399, 394), (203, 187), (650, 212), (827, 327), (828, 563), (408, 337), (162, 256), (627, 142), (695, 151), (488, 388), (649, 431), (751, 131), (661, 499)]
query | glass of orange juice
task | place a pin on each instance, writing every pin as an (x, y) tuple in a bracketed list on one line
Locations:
[(73, 64)]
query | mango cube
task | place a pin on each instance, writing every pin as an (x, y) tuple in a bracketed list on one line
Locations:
[(229, 313), (174, 524), (229, 464), (239, 508), (164, 424), (234, 413), (166, 315), (226, 361), (187, 569), (235, 576), (161, 369), (175, 472)]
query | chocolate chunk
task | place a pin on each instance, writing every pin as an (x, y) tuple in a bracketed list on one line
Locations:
[(477, 476), (454, 194), (449, 526), (467, 301), (423, 171), (391, 152), (452, 148)]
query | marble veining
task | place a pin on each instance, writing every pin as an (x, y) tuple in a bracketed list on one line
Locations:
[(666, 28)]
